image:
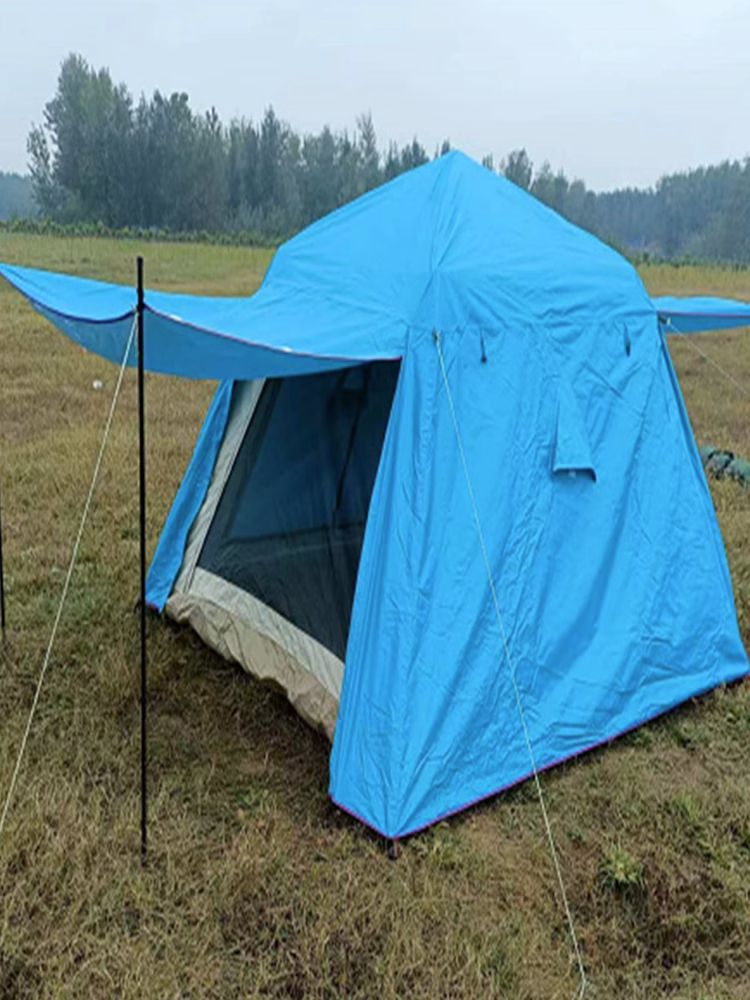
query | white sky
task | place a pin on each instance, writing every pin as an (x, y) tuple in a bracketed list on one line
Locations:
[(617, 92)]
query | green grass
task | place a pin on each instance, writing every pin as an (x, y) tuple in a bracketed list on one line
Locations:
[(257, 886)]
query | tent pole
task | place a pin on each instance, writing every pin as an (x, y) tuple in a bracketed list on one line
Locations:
[(2, 577), (142, 518)]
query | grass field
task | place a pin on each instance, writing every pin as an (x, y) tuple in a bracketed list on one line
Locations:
[(257, 886)]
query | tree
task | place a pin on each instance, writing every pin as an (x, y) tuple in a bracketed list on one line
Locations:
[(45, 191), (372, 175), (320, 169), (392, 165), (413, 155), (168, 135), (518, 168), (269, 161), (80, 160), (209, 181), (543, 185), (580, 205)]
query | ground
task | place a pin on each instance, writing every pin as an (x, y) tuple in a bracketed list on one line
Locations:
[(256, 885)]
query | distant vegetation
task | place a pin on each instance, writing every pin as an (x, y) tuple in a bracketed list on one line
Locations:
[(102, 158), (46, 226), (16, 196)]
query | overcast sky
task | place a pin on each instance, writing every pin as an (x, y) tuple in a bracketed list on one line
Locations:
[(616, 92)]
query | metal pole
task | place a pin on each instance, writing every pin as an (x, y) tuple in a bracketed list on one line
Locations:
[(2, 579), (142, 511)]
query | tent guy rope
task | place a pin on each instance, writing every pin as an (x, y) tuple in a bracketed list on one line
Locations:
[(68, 578), (511, 668), (687, 339)]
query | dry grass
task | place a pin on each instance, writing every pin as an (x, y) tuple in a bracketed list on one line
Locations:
[(257, 886)]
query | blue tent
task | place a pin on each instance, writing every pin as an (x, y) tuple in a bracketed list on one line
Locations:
[(448, 470)]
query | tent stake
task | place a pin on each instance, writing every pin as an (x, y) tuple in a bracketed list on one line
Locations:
[(142, 513), (2, 578)]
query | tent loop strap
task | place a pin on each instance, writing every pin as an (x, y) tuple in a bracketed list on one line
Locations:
[(68, 578), (512, 671), (671, 328)]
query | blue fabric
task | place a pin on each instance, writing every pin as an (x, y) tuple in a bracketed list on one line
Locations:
[(176, 344), (614, 594), (701, 313), (169, 552), (572, 448), (614, 591)]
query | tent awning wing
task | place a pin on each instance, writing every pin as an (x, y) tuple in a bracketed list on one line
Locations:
[(281, 330), (696, 315), (285, 328)]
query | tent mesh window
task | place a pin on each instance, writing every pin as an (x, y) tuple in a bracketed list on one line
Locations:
[(291, 521)]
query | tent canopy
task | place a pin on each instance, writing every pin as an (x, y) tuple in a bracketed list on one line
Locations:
[(700, 313), (407, 257), (203, 337)]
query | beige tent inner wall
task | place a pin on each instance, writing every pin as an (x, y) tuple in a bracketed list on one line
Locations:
[(236, 624)]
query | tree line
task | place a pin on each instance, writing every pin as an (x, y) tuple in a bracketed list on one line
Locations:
[(102, 157)]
